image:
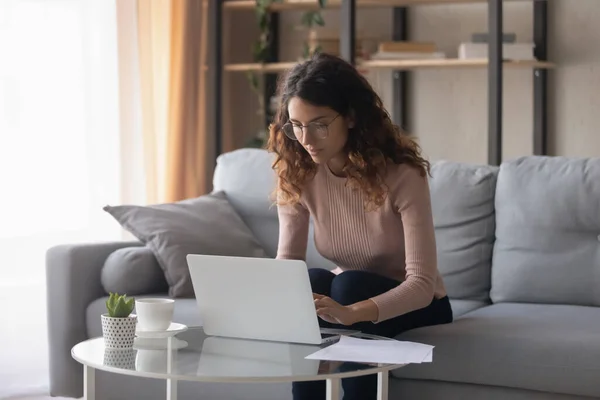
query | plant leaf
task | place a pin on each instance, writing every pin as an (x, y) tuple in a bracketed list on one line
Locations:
[(318, 19), (119, 306), (110, 303), (307, 18), (306, 50), (130, 304)]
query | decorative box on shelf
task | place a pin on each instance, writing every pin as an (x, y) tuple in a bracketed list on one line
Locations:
[(510, 51)]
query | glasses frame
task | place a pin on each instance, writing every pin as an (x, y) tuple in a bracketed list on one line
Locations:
[(302, 127)]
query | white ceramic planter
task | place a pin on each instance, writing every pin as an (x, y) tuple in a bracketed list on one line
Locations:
[(118, 333)]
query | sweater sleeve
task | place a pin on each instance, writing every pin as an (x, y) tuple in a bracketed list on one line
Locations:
[(412, 200), (293, 231)]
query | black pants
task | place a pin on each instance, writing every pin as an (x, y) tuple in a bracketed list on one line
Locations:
[(351, 287)]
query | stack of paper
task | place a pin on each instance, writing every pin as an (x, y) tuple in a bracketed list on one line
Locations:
[(352, 349)]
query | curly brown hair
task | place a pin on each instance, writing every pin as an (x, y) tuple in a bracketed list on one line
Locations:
[(373, 142)]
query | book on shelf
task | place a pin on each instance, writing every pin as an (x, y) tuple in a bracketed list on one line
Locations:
[(406, 46), (328, 41), (406, 55), (510, 51), (406, 50)]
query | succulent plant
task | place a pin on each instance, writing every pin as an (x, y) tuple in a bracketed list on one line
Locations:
[(119, 306)]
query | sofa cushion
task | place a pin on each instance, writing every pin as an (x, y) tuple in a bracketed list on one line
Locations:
[(248, 179), (133, 271), (463, 214), (547, 231), (552, 348), (203, 225), (462, 307), (185, 312), (421, 389)]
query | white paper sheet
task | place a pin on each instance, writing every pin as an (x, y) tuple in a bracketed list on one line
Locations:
[(352, 349)]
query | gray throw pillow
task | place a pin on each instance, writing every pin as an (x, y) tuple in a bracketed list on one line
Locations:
[(203, 225), (133, 271)]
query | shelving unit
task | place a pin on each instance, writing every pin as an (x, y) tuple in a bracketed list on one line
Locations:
[(401, 68), (393, 64), (308, 5)]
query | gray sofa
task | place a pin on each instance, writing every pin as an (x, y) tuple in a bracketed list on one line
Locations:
[(519, 249)]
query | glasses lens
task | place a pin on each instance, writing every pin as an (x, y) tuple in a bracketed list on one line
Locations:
[(318, 131), (290, 131)]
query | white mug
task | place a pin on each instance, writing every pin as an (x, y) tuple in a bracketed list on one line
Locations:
[(154, 314)]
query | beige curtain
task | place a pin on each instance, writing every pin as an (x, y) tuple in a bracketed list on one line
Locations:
[(187, 136), (154, 46), (172, 53)]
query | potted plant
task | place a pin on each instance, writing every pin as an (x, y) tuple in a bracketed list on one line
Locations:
[(118, 325), (261, 54)]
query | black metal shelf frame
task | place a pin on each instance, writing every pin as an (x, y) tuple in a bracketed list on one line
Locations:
[(540, 79), (495, 81), (215, 69), (401, 79)]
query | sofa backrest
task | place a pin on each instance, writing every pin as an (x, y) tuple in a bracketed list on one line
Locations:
[(462, 197), (547, 246), (248, 179), (463, 209)]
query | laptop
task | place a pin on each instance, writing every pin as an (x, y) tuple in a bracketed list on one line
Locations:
[(257, 298)]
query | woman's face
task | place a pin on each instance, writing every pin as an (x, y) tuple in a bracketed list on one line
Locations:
[(321, 130)]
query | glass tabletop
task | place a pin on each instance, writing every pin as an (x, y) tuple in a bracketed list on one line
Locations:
[(194, 356)]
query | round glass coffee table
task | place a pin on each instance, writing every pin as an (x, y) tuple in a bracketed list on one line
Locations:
[(194, 356)]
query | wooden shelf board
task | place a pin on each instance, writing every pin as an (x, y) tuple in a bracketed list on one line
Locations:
[(449, 63), (396, 64), (313, 4), (270, 67)]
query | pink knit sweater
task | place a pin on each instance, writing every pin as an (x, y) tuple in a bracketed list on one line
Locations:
[(397, 240)]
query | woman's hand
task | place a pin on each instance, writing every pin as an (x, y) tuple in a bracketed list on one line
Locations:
[(333, 312)]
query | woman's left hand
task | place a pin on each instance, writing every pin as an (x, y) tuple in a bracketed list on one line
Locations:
[(332, 311)]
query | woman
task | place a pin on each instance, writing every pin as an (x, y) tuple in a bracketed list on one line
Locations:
[(341, 161)]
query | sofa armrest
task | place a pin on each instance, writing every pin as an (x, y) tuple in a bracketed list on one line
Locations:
[(72, 283)]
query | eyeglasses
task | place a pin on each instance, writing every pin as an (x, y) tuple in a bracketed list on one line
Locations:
[(318, 130)]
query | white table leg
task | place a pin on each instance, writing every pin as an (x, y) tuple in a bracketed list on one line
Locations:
[(333, 389), (171, 383), (382, 385), (171, 389), (89, 383)]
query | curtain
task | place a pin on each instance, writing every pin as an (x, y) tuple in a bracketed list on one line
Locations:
[(187, 153), (154, 41), (60, 160), (172, 55)]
